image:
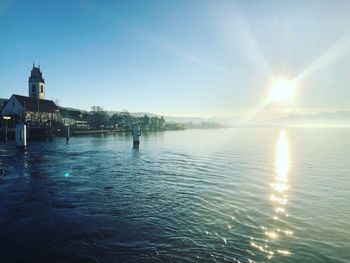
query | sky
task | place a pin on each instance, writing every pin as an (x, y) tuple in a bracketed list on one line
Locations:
[(180, 58)]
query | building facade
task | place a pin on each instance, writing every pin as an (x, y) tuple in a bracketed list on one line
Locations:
[(36, 84), (32, 109)]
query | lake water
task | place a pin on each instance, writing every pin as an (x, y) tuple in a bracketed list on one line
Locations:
[(236, 195)]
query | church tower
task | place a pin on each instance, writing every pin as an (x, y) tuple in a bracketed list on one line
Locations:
[(36, 84)]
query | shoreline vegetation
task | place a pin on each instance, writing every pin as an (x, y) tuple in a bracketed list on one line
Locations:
[(167, 127), (96, 121)]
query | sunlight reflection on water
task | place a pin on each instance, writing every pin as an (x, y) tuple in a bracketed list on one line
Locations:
[(183, 196), (271, 246), (280, 186)]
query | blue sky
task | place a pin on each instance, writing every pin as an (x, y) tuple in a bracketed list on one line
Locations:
[(205, 58)]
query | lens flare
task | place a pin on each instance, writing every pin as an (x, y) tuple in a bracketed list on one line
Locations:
[(282, 91)]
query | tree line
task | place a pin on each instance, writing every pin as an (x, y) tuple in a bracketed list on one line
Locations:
[(99, 119)]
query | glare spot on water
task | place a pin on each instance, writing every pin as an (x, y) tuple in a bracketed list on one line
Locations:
[(268, 252), (284, 252), (288, 233), (280, 210), (279, 200), (66, 174), (271, 234), (280, 187)]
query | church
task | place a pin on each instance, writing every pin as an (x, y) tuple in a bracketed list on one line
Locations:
[(33, 109)]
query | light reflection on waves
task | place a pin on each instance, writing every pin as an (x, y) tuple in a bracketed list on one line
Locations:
[(202, 173), (278, 230), (170, 204), (212, 213)]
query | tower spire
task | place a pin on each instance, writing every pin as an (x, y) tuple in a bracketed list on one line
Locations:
[(36, 83)]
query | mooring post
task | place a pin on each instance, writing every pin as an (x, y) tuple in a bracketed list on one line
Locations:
[(6, 131), (68, 133), (6, 118), (21, 135), (50, 131), (136, 133)]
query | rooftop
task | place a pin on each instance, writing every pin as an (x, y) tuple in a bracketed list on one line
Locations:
[(32, 104), (36, 75)]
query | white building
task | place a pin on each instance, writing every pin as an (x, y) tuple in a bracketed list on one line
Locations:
[(34, 107), (24, 106)]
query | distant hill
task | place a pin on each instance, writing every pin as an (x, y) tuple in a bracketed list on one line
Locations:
[(195, 120), (135, 114), (338, 118), (72, 109), (167, 118), (227, 121)]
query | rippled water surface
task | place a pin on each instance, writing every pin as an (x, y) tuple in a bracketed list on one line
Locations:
[(237, 195)]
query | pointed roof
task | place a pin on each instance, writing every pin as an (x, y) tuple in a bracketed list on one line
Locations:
[(36, 74)]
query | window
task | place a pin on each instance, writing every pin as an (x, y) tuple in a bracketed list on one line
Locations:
[(33, 88), (42, 88)]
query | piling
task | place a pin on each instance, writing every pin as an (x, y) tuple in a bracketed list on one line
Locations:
[(68, 133), (50, 131), (6, 127), (6, 132), (136, 133), (21, 135)]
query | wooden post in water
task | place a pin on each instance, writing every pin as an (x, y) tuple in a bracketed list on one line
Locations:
[(50, 131), (6, 128), (136, 133), (68, 133), (21, 135)]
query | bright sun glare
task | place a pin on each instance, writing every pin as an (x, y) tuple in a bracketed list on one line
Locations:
[(282, 91)]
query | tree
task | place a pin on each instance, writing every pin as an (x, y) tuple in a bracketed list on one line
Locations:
[(116, 119), (161, 123), (145, 122), (125, 113), (154, 123), (98, 117)]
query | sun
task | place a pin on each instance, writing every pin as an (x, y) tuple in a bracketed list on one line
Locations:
[(282, 91)]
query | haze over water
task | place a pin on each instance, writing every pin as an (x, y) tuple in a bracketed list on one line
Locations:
[(241, 195)]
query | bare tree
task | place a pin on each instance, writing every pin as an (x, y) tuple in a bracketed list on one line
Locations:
[(98, 117)]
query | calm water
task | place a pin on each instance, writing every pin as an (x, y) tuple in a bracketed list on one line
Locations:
[(262, 195)]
